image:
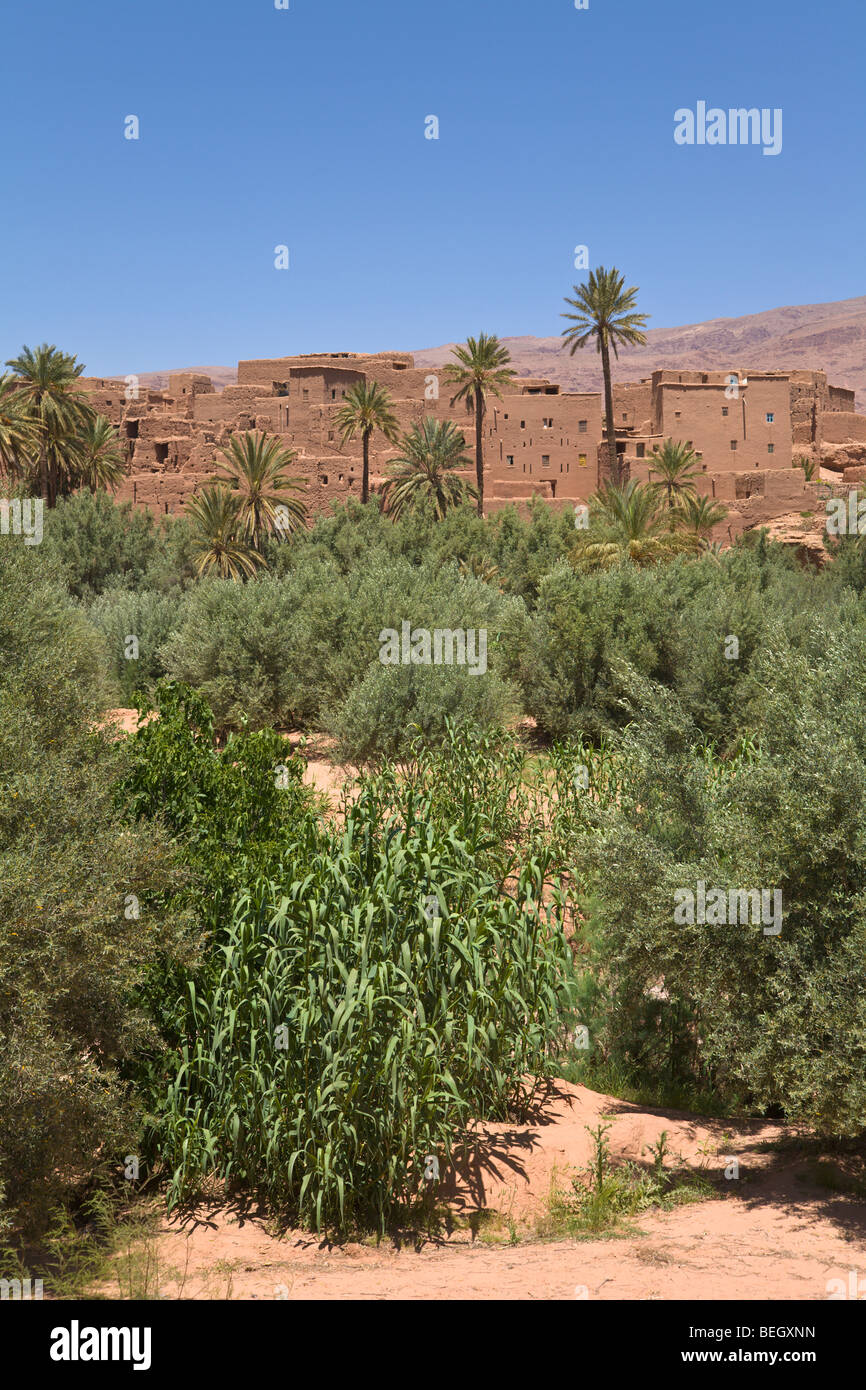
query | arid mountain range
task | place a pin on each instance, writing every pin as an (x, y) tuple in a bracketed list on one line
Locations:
[(828, 337)]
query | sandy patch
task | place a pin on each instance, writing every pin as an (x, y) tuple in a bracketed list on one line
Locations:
[(772, 1233)]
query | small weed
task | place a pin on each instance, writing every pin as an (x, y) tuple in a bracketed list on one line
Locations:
[(603, 1197)]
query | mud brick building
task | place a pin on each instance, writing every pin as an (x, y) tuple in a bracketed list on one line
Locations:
[(539, 440)]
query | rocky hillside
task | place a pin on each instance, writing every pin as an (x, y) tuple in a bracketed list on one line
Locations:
[(831, 337)]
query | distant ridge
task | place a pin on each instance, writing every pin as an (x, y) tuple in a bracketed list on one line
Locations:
[(828, 337)]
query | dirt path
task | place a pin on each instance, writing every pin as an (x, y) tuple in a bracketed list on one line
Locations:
[(778, 1231)]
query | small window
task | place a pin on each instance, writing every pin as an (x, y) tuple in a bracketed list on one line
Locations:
[(323, 479), (641, 450), (545, 460), (523, 424), (581, 458), (733, 443), (581, 427), (771, 448), (624, 415), (677, 414), (334, 393), (724, 410), (306, 393), (509, 459), (770, 417), (547, 423)]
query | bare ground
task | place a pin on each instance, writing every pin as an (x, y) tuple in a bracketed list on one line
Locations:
[(778, 1231)]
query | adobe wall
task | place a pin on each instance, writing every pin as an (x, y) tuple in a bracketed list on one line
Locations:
[(550, 438), (188, 384), (633, 404), (538, 440), (752, 430), (844, 427)]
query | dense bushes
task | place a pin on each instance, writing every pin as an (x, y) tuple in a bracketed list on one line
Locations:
[(765, 1018), (77, 929), (306, 646), (287, 1009)]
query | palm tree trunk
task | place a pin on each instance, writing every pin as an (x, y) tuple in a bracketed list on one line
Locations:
[(43, 475), (608, 410), (365, 476), (479, 447)]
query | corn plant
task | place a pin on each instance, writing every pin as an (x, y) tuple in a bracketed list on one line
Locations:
[(372, 993)]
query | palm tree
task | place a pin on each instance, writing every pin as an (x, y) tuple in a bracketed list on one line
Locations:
[(480, 371), (367, 407), (255, 465), (19, 433), (627, 525), (606, 312), (47, 378), (216, 544), (432, 452), (478, 568), (699, 515), (677, 467), (101, 460)]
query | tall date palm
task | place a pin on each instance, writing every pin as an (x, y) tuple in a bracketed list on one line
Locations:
[(606, 312), (255, 468), (367, 408), (481, 370)]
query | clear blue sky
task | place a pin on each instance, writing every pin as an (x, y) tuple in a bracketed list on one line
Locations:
[(306, 127)]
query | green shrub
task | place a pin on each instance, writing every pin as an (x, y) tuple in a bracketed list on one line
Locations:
[(305, 647), (71, 872), (148, 618), (777, 1019)]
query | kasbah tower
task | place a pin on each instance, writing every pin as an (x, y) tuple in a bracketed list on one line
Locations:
[(749, 428)]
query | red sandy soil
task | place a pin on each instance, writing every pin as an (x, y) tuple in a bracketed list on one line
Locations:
[(772, 1233)]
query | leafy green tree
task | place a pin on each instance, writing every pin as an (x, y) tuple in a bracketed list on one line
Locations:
[(761, 1010), (99, 544), (255, 467), (150, 618), (368, 407), (81, 917), (606, 312), (481, 370), (432, 452)]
